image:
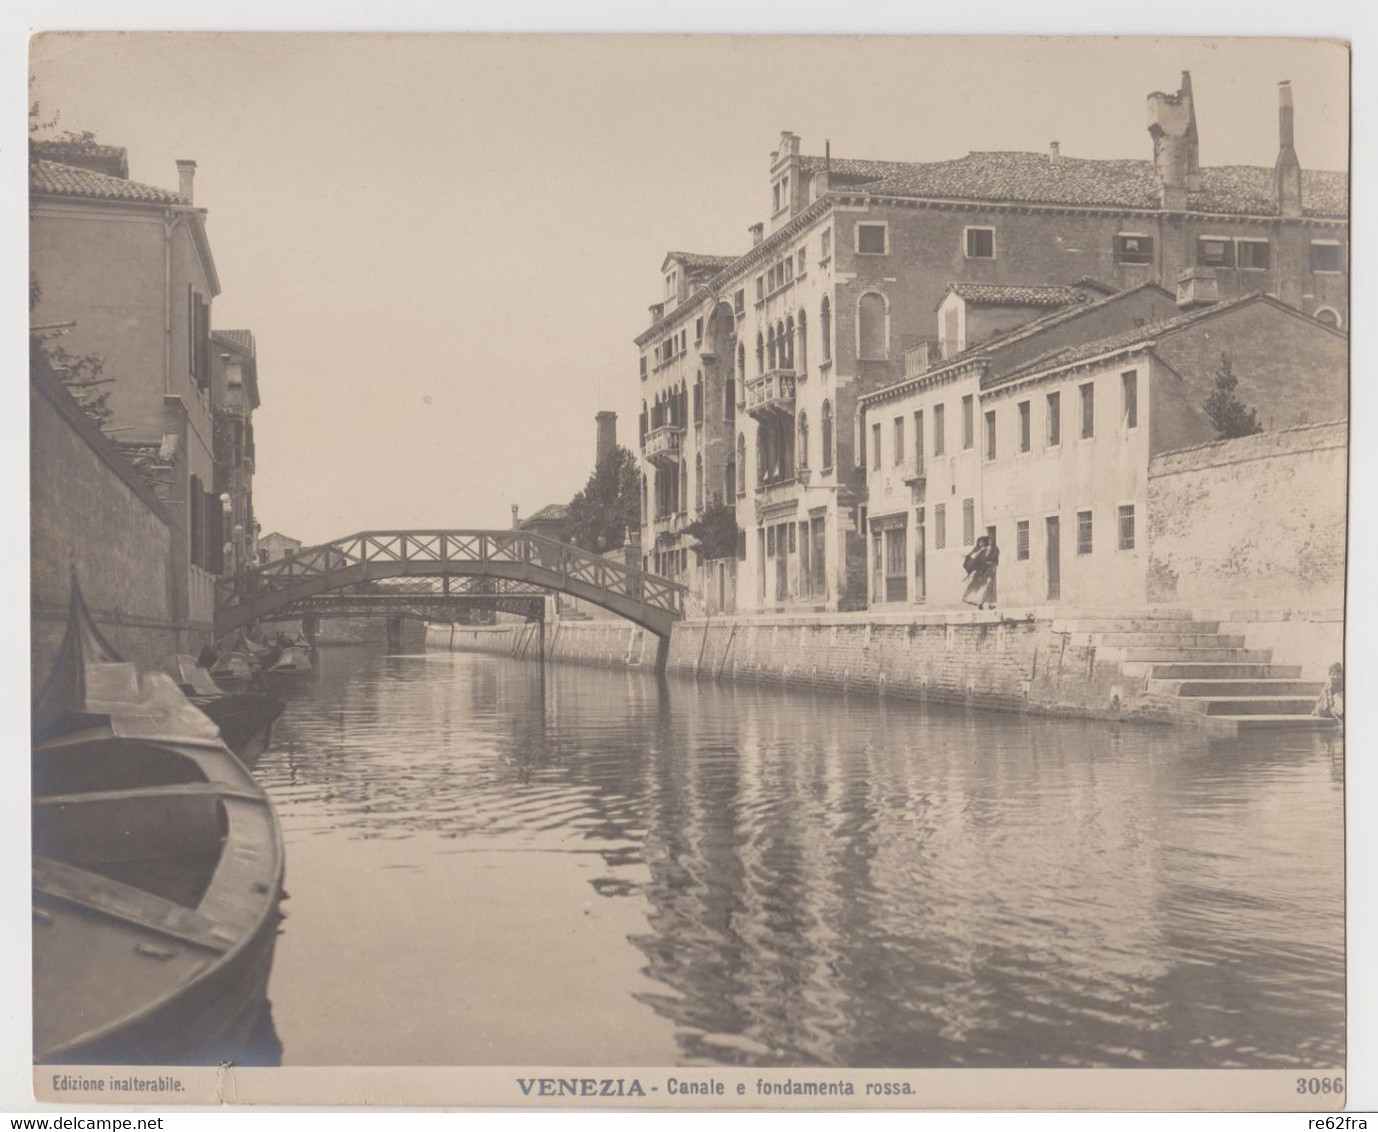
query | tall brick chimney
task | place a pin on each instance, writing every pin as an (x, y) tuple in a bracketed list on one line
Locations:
[(607, 435), (186, 177), (1176, 151), (1287, 171)]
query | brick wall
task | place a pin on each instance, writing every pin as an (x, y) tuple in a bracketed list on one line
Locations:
[(612, 644), (1257, 522), (91, 513)]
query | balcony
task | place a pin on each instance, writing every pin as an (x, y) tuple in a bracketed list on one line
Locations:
[(772, 392), (915, 475), (663, 445)]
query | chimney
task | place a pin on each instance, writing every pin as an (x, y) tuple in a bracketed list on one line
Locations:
[(1172, 125), (1054, 153), (1287, 171), (607, 435), (515, 523), (758, 233), (1196, 288), (186, 174)]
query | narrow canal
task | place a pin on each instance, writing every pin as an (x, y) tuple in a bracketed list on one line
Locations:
[(607, 871)]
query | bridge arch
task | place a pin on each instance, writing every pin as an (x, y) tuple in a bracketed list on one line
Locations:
[(647, 600)]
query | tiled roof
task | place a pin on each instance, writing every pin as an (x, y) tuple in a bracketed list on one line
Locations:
[(695, 261), (1060, 315), (244, 339), (853, 169), (550, 513), (1034, 178), (1014, 295), (104, 158), (1070, 355), (50, 178)]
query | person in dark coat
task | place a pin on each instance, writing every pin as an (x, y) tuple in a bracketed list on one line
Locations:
[(980, 566)]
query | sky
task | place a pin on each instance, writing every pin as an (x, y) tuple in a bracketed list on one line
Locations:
[(444, 245)]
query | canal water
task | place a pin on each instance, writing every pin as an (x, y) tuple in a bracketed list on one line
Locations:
[(486, 869)]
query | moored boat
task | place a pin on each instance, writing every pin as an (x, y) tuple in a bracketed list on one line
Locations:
[(292, 667), (245, 719), (157, 870)]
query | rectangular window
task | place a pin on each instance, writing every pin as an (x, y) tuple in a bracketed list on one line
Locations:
[(1054, 419), (760, 287), (896, 565), (770, 542), (968, 421), (990, 435), (739, 303), (1214, 251), (980, 243), (801, 268), (940, 526), (1252, 255), (1126, 516), (918, 441), (1129, 387), (1131, 247), (968, 522), (1325, 257), (698, 330), (939, 440), (875, 444), (870, 239), (1021, 540), (793, 545), (1025, 431), (1088, 411), (786, 271), (196, 507), (1083, 532), (643, 367), (899, 441), (825, 244)]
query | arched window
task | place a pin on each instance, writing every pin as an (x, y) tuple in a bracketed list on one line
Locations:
[(645, 422), (803, 342), (825, 328), (827, 454), (801, 455), (644, 498), (760, 353), (762, 457), (741, 463), (1329, 316), (741, 362), (698, 482), (683, 486), (789, 341), (770, 348), (870, 317), (698, 398)]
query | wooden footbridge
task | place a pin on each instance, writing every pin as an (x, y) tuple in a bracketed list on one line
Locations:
[(471, 565)]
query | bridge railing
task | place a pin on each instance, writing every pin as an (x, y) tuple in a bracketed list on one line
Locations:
[(444, 548)]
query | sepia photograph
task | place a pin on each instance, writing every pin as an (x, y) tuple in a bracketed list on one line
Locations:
[(688, 571)]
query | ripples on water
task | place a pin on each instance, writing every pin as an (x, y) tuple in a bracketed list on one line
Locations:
[(605, 870)]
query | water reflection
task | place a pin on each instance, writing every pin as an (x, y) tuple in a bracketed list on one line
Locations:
[(490, 869)]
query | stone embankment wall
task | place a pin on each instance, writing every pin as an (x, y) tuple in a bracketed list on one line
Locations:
[(1251, 532), (977, 658), (613, 644)]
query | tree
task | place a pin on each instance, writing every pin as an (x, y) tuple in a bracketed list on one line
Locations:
[(716, 530), (600, 515), (1225, 410)]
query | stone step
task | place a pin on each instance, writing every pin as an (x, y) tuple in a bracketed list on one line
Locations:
[(1224, 689), (1163, 655), (1250, 705), (1212, 670), (1234, 724), (1172, 640), (1108, 613), (1132, 625)]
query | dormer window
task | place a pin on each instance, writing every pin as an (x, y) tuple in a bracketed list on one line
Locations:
[(671, 284)]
